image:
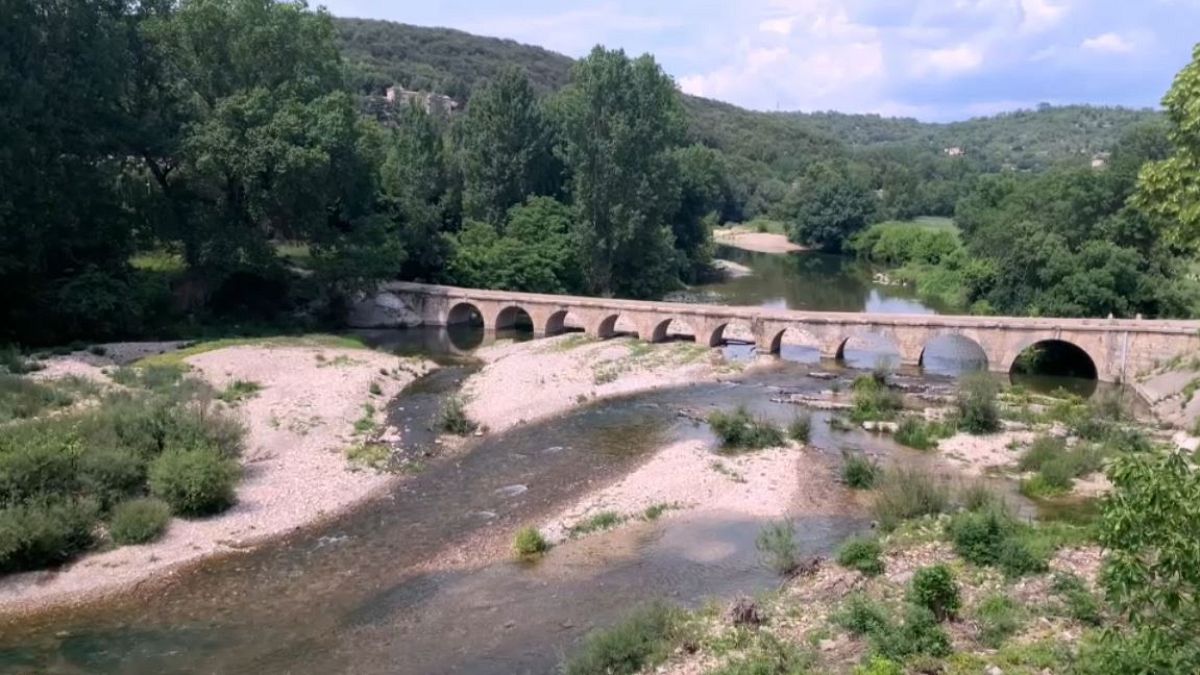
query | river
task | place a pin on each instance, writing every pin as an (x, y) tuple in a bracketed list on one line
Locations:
[(392, 587)]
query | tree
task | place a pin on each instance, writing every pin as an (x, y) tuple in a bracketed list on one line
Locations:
[(535, 253), (507, 154), (1170, 188), (414, 179), (827, 206), (704, 188), (620, 119)]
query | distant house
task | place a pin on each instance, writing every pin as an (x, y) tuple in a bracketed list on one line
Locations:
[(1100, 160), (953, 151), (431, 102)]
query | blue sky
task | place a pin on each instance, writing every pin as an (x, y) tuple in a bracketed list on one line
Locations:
[(930, 59)]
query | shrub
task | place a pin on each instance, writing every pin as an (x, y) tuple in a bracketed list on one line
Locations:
[(998, 618), (873, 400), (45, 532), (22, 398), (777, 544), (37, 459), (800, 429), (454, 418), (880, 666), (139, 521), (768, 655), (640, 642), (978, 496), (1017, 559), (195, 482), (916, 434), (530, 543), (1042, 450), (908, 493), (858, 471), (862, 554), (739, 431), (861, 615), (13, 362), (110, 474), (978, 412), (239, 390), (918, 634), (1078, 602), (934, 588), (991, 537)]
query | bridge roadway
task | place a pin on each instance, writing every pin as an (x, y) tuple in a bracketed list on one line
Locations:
[(1120, 348)]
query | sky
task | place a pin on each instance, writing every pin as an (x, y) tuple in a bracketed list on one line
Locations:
[(936, 60)]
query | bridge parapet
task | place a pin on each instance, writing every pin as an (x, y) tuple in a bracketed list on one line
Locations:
[(1119, 348)]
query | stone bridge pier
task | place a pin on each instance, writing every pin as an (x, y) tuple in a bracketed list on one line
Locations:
[(1118, 349)]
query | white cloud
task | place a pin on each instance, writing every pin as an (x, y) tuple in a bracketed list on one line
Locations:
[(574, 31), (945, 62), (1108, 42), (779, 26), (1040, 15)]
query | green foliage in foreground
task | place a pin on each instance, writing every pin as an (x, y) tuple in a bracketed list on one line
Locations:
[(800, 428), (999, 617), (1151, 575), (453, 418), (916, 634), (993, 537), (978, 411), (643, 640), (873, 399), (739, 431), (139, 521), (905, 494), (22, 398), (530, 543), (60, 476)]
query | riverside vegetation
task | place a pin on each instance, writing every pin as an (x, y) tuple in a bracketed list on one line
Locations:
[(955, 581), (82, 467)]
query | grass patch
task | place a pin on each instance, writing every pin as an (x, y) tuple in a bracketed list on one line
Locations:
[(800, 428), (374, 456), (655, 511), (642, 641), (862, 554), (768, 654), (999, 618), (22, 398), (905, 494), (529, 543), (239, 390), (453, 418), (729, 473), (976, 402), (777, 545), (873, 399), (597, 523), (739, 431), (859, 472), (1078, 603), (921, 435), (177, 357)]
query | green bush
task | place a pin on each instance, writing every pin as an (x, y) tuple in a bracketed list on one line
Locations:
[(978, 412), (44, 533), (777, 544), (991, 537), (998, 617), (862, 554), (638, 643), (861, 615), (1018, 560), (739, 431), (195, 482), (110, 474), (139, 521), (880, 666), (979, 496), (239, 390), (1043, 449), (908, 493), (859, 471), (768, 655), (454, 418), (1078, 602), (37, 459), (918, 434), (934, 588), (22, 398), (13, 362), (919, 634), (800, 430), (530, 543), (873, 399)]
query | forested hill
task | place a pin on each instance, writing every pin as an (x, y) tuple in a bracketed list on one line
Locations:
[(453, 62)]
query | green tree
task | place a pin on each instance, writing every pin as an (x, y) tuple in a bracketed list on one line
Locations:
[(620, 120), (704, 189), (507, 149), (827, 206), (1170, 188), (415, 181), (534, 253), (1151, 574)]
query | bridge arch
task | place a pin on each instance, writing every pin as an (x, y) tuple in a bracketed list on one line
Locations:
[(952, 353), (616, 324), (731, 331), (513, 316), (465, 313), (1054, 357), (672, 328), (563, 321), (868, 349), (796, 344)]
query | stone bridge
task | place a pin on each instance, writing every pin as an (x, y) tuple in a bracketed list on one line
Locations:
[(1120, 349)]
